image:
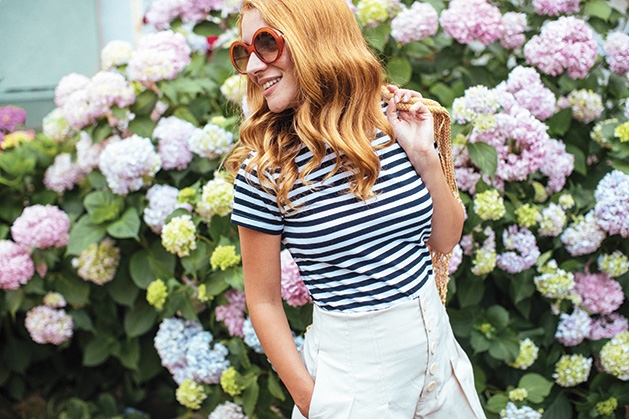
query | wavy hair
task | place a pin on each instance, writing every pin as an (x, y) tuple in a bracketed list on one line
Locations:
[(340, 83)]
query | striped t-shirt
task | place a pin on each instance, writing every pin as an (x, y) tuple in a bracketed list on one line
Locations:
[(353, 255)]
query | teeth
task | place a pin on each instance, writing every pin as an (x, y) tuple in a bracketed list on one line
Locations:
[(270, 83)]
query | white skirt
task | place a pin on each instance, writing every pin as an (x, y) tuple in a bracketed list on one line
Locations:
[(402, 362)]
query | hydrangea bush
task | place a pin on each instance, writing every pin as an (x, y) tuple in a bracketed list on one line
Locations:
[(121, 288)]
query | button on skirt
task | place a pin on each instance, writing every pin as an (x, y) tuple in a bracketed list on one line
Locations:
[(401, 362)]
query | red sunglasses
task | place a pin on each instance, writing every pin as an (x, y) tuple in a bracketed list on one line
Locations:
[(267, 45)]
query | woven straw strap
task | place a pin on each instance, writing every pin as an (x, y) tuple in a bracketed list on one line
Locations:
[(441, 117)]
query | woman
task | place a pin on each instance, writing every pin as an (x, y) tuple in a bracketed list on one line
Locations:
[(357, 195)]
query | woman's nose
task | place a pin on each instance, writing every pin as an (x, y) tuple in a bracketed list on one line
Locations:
[(255, 64)]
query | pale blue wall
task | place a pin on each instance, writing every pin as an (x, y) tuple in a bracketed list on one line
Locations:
[(43, 40)]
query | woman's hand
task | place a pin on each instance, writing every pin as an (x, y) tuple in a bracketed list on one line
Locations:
[(414, 129)]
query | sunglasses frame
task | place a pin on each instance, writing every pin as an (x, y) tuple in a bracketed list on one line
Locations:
[(279, 40)]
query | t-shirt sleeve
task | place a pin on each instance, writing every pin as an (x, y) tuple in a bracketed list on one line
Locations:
[(254, 207)]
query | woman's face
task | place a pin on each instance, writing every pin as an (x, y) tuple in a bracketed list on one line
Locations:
[(277, 80)]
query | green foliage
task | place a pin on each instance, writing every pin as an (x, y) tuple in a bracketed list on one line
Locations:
[(110, 367)]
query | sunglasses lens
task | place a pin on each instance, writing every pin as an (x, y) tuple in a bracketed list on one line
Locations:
[(266, 47), (240, 56)]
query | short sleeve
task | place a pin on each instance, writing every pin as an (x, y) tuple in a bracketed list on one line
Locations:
[(254, 207)]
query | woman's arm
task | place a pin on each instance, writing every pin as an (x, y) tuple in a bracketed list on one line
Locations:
[(262, 271), (414, 130)]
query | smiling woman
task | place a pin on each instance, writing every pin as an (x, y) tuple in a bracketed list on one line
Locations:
[(353, 189)]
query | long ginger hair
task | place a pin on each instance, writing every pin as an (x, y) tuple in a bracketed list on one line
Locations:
[(339, 100)]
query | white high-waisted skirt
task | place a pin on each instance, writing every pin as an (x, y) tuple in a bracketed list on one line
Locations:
[(402, 362)]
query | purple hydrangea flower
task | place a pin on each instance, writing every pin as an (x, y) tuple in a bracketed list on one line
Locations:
[(16, 265), (573, 328), (10, 117), (469, 20), (41, 227), (523, 251), (612, 203), (564, 44), (161, 12)]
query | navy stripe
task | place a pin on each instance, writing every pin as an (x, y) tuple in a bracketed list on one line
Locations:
[(353, 255)]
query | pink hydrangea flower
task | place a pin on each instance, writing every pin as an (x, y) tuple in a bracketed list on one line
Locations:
[(48, 325), (233, 314), (455, 259), (617, 52), (608, 326), (129, 164), (161, 12), (63, 174), (159, 56), (41, 227), (173, 148), (612, 203), (16, 265), (556, 7), (519, 138), (526, 87), (583, 236), (557, 168), (564, 44), (514, 25), (415, 23), (469, 20), (68, 85), (294, 291), (599, 292), (162, 200)]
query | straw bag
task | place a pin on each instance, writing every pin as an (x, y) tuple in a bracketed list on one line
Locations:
[(441, 117)]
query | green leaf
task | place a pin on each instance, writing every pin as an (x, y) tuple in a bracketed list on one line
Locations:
[(84, 233), (484, 156), (273, 384), (537, 386), (198, 261), (126, 227), (18, 163), (101, 131), (598, 8), (142, 126), (103, 206), (400, 71), (75, 290), (496, 403), (580, 162), (121, 289), (377, 37), (184, 113), (216, 285), (559, 123), (444, 94), (498, 316), (506, 350), (146, 267), (130, 353), (82, 320), (144, 103), (250, 396), (14, 300), (479, 342), (469, 291), (98, 349), (207, 28), (140, 319)]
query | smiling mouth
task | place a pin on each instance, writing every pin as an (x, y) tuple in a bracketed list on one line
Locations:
[(270, 83)]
